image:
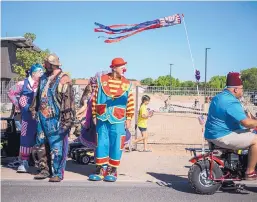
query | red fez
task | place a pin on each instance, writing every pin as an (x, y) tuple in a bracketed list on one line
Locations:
[(234, 79)]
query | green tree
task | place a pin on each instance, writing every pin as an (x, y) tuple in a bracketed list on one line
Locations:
[(189, 84), (217, 82), (28, 57), (163, 81), (249, 78), (177, 83), (147, 81), (73, 81), (30, 36)]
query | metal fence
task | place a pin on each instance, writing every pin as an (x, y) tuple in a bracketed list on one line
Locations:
[(177, 121), (166, 90), (250, 96), (5, 86)]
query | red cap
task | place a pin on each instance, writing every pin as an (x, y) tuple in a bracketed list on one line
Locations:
[(234, 79), (116, 62)]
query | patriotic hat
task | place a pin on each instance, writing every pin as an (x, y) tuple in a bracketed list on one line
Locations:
[(117, 62), (233, 79), (93, 80)]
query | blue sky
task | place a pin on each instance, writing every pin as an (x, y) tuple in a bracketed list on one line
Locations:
[(67, 28)]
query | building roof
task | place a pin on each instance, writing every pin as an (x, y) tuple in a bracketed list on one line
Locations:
[(81, 82), (21, 42)]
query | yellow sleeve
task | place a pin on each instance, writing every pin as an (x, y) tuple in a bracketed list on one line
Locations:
[(143, 110)]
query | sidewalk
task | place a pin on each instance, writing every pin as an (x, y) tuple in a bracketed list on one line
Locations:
[(167, 165)]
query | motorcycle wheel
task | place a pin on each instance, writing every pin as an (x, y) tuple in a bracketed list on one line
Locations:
[(197, 177)]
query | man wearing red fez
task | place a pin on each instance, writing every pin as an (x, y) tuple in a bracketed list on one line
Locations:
[(112, 109), (228, 126)]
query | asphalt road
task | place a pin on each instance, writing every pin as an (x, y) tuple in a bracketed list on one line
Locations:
[(73, 191)]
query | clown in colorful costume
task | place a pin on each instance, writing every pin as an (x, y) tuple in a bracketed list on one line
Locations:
[(88, 130), (26, 90), (112, 106), (55, 106)]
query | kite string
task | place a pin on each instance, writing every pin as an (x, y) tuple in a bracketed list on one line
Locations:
[(184, 22)]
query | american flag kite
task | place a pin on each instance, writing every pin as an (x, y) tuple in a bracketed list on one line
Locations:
[(136, 28)]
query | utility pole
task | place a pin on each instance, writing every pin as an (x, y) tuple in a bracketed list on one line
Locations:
[(205, 80), (170, 76)]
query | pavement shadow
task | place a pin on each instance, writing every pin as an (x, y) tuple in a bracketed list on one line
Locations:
[(74, 167), (180, 183), (177, 182), (251, 189), (84, 170)]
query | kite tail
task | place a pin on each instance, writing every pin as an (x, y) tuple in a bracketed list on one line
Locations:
[(132, 29), (102, 29), (119, 38)]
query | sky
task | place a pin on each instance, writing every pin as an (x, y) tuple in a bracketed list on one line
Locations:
[(67, 29)]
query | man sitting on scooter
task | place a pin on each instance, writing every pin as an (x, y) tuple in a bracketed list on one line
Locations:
[(228, 126)]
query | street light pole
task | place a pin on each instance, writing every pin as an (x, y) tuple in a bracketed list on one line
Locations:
[(170, 75), (205, 80)]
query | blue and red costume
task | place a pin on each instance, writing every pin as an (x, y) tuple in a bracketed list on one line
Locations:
[(112, 105)]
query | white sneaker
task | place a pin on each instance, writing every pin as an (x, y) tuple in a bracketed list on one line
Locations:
[(24, 167)]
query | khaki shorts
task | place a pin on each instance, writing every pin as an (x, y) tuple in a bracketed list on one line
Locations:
[(239, 139)]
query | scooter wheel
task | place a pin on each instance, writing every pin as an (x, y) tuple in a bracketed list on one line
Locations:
[(198, 177), (85, 159)]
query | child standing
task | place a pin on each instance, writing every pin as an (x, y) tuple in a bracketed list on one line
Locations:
[(142, 122)]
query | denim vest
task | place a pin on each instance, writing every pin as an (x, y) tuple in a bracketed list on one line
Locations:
[(49, 109)]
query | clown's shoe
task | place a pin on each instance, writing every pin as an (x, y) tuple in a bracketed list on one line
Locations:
[(111, 175), (100, 173)]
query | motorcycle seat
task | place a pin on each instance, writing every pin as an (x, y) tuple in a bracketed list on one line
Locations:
[(215, 147)]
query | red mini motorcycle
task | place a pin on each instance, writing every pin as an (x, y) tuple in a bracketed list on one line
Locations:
[(218, 167)]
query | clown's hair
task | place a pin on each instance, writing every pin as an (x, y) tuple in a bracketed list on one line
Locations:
[(34, 68)]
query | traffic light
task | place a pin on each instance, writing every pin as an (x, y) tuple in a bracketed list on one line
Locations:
[(197, 75)]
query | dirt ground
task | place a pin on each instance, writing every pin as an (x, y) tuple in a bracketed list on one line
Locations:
[(167, 128)]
